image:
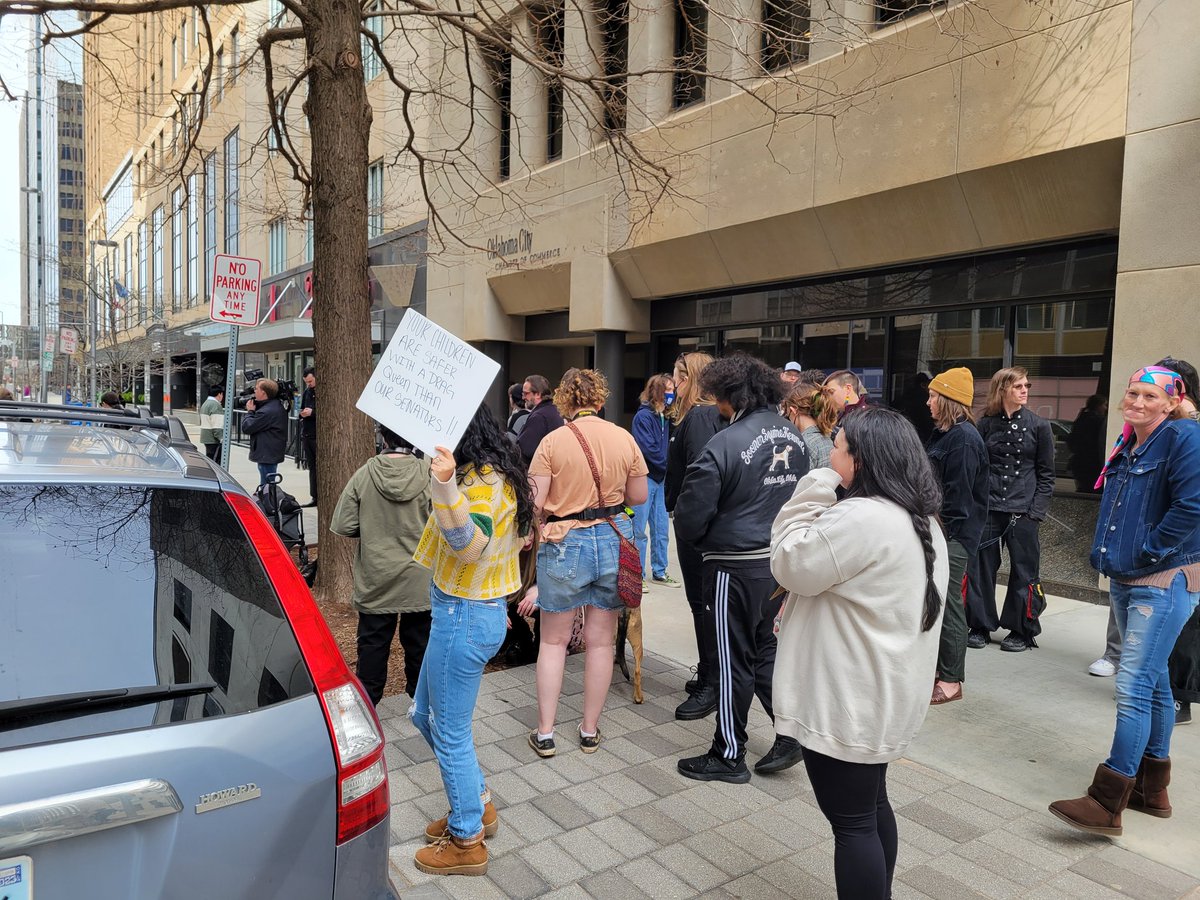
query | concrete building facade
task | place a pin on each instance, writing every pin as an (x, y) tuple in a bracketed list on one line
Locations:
[(924, 185)]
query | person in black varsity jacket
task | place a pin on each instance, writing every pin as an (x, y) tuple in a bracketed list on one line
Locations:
[(731, 495)]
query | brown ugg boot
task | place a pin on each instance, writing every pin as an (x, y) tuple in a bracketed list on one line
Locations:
[(1100, 810), (439, 829), (454, 856), (1150, 788)]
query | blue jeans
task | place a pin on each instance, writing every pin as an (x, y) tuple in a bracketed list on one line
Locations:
[(264, 470), (581, 569), (1150, 620), (463, 636), (654, 511)]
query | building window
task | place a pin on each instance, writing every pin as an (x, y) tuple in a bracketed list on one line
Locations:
[(177, 212), (275, 131), (183, 39), (498, 61), (691, 52), (142, 282), (371, 63), (276, 11), (614, 34), (277, 247), (193, 225), (308, 235), (195, 26), (231, 193), (786, 33), (233, 56), (549, 29), (894, 10), (156, 260), (210, 216), (174, 59), (219, 75), (375, 200)]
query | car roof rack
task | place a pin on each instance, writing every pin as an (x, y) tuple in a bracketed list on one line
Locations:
[(138, 417)]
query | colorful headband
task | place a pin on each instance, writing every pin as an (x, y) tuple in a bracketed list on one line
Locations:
[(1169, 381)]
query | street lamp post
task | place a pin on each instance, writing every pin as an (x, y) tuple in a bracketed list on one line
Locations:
[(41, 262), (93, 311)]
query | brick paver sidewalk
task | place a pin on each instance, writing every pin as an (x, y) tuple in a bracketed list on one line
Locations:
[(623, 823)]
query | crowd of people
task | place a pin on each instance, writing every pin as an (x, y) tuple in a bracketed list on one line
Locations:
[(767, 481)]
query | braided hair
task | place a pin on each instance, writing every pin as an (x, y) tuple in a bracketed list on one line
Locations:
[(889, 462)]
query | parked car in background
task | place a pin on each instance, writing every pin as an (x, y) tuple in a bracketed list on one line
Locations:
[(175, 717)]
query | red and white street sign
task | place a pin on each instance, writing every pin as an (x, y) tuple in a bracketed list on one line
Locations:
[(235, 290), (67, 339)]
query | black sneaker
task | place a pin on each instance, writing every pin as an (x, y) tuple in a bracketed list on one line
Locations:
[(1183, 713), (1015, 644), (699, 705), (714, 768), (589, 744), (977, 640), (543, 748), (784, 754)]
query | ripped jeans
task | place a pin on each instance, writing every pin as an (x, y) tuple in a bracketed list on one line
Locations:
[(463, 636), (1150, 619)]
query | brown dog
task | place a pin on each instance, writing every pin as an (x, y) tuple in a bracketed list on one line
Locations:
[(629, 627)]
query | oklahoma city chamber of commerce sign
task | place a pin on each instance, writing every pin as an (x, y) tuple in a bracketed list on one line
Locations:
[(427, 384)]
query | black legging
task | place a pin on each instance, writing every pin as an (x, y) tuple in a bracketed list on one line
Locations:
[(853, 797)]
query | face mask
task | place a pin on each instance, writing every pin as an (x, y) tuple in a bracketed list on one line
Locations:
[(669, 398)]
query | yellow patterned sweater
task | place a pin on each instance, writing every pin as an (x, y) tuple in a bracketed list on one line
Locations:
[(470, 541)]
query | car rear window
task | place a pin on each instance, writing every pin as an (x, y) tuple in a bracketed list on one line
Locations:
[(111, 587)]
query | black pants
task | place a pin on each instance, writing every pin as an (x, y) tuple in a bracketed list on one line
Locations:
[(744, 615), (691, 566), (853, 797), (375, 632), (310, 456), (213, 451), (952, 648), (1024, 557)]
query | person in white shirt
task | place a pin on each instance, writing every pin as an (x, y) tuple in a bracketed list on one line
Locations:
[(858, 632)]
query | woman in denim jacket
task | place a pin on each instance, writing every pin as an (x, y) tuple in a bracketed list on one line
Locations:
[(1148, 543)]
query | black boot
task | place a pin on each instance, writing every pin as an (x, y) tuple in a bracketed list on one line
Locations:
[(699, 705), (784, 754)]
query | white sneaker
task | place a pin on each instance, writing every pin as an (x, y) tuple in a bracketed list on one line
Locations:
[(1102, 668)]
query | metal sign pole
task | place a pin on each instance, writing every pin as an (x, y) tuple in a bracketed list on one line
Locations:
[(227, 430)]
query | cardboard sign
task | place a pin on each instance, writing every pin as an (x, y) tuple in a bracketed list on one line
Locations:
[(235, 284), (427, 385)]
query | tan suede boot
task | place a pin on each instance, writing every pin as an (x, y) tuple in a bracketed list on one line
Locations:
[(1100, 810), (454, 856), (1150, 788), (439, 829)]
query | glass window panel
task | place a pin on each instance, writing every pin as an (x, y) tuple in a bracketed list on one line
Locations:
[(770, 343)]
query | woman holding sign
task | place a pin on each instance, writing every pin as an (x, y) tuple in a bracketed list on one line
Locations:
[(482, 511), (584, 476)]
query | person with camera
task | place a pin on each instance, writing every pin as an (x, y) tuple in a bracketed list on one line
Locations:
[(266, 423)]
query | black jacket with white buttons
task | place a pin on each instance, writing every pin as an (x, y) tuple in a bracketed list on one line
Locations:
[(1021, 463)]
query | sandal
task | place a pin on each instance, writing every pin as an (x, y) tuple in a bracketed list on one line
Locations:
[(940, 696)]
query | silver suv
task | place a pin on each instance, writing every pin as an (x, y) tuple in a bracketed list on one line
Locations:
[(175, 717)]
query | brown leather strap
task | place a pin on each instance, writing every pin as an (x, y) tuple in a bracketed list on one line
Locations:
[(587, 451)]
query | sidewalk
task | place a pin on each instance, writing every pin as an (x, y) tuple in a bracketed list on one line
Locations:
[(970, 797)]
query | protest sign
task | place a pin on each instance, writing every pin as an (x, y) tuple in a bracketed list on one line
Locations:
[(427, 384)]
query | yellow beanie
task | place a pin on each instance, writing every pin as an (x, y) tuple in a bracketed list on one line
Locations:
[(955, 384)]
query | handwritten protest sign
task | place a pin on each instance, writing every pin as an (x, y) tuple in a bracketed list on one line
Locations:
[(427, 385)]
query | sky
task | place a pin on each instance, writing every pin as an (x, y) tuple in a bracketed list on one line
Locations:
[(13, 40)]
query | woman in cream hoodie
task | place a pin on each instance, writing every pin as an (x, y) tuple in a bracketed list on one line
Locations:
[(858, 635)]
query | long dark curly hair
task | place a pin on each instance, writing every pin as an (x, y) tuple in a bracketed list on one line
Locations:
[(890, 462), (743, 382), (483, 444)]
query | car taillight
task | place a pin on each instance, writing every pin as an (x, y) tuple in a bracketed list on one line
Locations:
[(354, 728)]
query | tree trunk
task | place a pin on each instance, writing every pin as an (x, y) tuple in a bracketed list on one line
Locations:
[(339, 119)]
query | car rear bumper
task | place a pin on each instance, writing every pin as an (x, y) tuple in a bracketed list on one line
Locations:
[(362, 866)]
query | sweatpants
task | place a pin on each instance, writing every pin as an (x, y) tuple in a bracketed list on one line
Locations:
[(744, 619), (691, 565), (1024, 556), (375, 633)]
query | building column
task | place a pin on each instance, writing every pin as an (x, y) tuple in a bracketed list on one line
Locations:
[(651, 47), (528, 139), (610, 359), (1158, 263), (837, 24), (497, 394)]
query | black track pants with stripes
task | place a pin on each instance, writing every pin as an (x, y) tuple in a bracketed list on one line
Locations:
[(743, 614)]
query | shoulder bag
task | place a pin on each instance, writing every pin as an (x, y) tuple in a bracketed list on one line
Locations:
[(629, 561)]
